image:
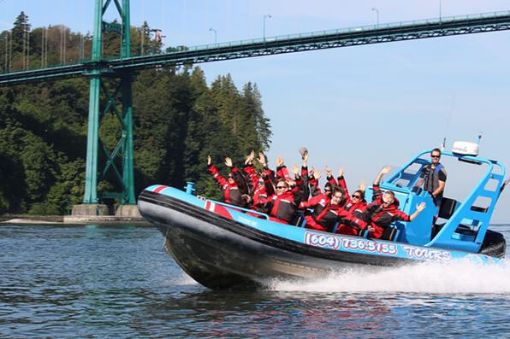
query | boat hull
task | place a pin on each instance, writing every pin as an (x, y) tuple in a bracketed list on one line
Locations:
[(221, 247), (221, 253)]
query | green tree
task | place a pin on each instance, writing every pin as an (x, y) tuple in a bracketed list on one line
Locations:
[(255, 119), (178, 119), (20, 33)]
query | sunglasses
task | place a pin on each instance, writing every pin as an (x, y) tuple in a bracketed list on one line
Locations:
[(435, 156), (280, 187), (356, 196)]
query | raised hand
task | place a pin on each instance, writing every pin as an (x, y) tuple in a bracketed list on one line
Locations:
[(295, 170), (419, 208), (362, 187), (249, 158), (228, 162), (385, 170), (209, 160), (340, 172), (329, 171), (246, 198), (279, 161), (316, 174), (262, 159)]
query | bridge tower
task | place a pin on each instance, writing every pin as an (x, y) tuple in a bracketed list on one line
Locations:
[(122, 154)]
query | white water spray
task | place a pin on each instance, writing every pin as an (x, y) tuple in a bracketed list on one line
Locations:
[(184, 280), (455, 277)]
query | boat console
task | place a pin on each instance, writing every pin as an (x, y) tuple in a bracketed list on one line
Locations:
[(455, 224)]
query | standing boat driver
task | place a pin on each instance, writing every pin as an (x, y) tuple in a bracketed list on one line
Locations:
[(433, 177)]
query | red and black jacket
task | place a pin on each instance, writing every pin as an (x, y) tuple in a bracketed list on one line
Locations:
[(282, 207), (253, 178), (259, 198), (318, 203), (377, 215), (231, 193), (327, 218), (346, 200)]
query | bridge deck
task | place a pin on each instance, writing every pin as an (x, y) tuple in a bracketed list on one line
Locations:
[(354, 36)]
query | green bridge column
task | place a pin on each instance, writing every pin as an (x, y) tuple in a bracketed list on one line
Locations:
[(92, 142), (90, 204), (128, 179), (94, 113)]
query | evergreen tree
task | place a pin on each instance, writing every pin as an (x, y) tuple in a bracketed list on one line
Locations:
[(261, 124), (19, 33)]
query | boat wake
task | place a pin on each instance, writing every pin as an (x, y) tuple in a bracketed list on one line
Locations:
[(454, 277), (184, 280)]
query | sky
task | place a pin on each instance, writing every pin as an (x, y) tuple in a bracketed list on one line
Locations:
[(358, 108)]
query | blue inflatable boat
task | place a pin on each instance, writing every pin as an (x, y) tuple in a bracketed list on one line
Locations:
[(222, 246)]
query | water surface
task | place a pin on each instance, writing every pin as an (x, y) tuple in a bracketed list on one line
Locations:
[(117, 281)]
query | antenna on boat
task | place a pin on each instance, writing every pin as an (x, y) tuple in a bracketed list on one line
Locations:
[(443, 145), (479, 137)]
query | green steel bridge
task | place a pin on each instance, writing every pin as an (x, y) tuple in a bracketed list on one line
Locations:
[(124, 67)]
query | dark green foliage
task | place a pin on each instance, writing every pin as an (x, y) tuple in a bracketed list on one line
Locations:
[(178, 121), (19, 33)]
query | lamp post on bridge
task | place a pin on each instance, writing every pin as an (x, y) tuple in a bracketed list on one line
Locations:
[(143, 31), (377, 14), (215, 34), (26, 46), (267, 16), (6, 39), (82, 47)]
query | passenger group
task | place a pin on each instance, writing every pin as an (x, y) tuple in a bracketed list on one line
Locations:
[(298, 198)]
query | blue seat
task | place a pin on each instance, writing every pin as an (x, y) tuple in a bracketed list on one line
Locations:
[(300, 220), (333, 230)]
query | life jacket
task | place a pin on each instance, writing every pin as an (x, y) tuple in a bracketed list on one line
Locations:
[(253, 178), (259, 196), (329, 216), (283, 206), (317, 202), (377, 215), (431, 178), (380, 217), (231, 193), (350, 206)]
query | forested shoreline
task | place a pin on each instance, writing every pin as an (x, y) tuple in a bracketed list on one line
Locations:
[(178, 120)]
